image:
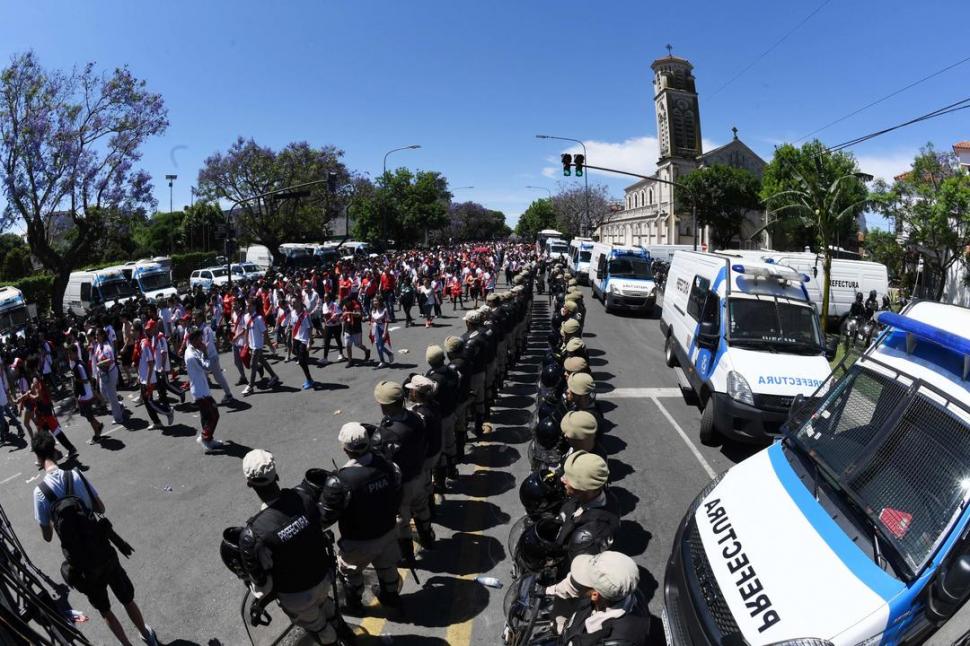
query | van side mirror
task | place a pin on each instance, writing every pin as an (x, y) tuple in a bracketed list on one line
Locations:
[(708, 333), (949, 590), (831, 349)]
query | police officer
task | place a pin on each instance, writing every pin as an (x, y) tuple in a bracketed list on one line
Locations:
[(589, 516), (580, 389), (495, 321), (421, 393), (283, 550), (575, 347), (447, 383), (579, 428), (475, 354), (454, 352), (363, 497), (574, 365), (608, 613), (405, 440)]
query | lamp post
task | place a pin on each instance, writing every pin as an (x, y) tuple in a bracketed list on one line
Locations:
[(384, 210), (171, 180), (582, 230), (541, 188)]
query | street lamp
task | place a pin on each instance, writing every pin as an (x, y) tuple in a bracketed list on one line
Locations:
[(171, 180), (541, 188), (384, 214), (585, 175)]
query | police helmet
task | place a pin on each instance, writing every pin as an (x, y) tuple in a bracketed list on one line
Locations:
[(858, 296), (554, 339), (537, 548), (551, 375), (872, 294), (552, 359), (230, 552), (313, 482), (548, 434)]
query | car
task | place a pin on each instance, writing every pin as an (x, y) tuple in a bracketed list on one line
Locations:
[(208, 278), (854, 528), (247, 270)]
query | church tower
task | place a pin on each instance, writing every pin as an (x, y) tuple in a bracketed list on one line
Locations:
[(678, 116)]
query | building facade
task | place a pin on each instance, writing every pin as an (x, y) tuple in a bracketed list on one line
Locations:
[(650, 214)]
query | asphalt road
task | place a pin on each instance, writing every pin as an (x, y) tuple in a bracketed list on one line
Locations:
[(171, 502)]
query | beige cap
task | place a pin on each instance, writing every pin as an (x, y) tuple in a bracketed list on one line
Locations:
[(388, 392), (421, 383), (570, 306), (574, 296), (453, 344), (581, 383), (575, 344), (575, 364), (259, 467), (569, 326), (473, 317), (572, 281), (354, 437), (434, 355), (578, 425), (613, 575), (492, 298), (586, 471), (518, 289)]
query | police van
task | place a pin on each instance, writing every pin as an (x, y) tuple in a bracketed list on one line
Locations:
[(103, 287), (621, 277), (747, 337), (855, 527), (580, 251)]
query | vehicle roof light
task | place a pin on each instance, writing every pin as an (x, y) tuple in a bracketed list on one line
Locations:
[(918, 330), (738, 268)]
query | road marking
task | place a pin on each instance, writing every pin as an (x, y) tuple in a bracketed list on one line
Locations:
[(6, 480), (638, 393), (684, 436), (374, 626), (394, 327)]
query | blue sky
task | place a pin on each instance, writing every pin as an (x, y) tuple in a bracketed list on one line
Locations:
[(474, 82)]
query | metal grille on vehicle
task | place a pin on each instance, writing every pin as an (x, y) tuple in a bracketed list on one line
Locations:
[(708, 588), (779, 403)]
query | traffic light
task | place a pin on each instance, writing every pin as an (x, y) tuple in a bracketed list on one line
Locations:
[(579, 160), (567, 161)]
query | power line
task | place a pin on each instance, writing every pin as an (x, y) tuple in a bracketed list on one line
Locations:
[(947, 109), (770, 49), (888, 96)]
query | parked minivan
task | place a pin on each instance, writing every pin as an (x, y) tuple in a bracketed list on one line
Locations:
[(855, 527), (88, 289), (580, 252), (747, 337), (208, 277), (621, 277)]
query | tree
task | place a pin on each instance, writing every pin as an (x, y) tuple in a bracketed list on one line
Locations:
[(161, 234), (570, 207), (540, 215), (822, 191), (404, 207), (68, 146), (931, 204), (17, 264), (9, 242), (471, 221), (723, 196), (248, 169), (882, 247), (201, 224)]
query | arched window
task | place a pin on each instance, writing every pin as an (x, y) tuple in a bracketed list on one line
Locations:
[(650, 196)]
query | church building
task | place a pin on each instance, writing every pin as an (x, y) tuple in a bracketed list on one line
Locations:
[(649, 215)]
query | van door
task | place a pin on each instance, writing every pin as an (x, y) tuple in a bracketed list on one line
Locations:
[(86, 298), (601, 277)]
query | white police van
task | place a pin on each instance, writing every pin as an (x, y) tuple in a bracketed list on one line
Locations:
[(621, 277), (748, 340), (580, 252), (854, 528), (88, 289), (153, 280)]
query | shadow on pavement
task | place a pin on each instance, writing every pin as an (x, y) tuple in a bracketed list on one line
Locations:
[(648, 585), (496, 456), (483, 484), (631, 539), (625, 500), (470, 516), (618, 470), (463, 553), (516, 401), (736, 451), (179, 430), (402, 640), (611, 444), (511, 435), (231, 449), (444, 601), (111, 444), (603, 376), (510, 417)]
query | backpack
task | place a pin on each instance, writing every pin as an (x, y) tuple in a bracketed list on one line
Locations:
[(84, 540)]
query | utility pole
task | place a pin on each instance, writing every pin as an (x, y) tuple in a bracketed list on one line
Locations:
[(171, 180)]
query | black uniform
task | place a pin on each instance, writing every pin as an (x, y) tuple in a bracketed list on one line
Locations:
[(625, 630)]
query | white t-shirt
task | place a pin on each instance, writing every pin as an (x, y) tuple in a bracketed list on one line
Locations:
[(145, 375), (162, 363), (301, 326), (256, 331), (197, 367), (55, 480)]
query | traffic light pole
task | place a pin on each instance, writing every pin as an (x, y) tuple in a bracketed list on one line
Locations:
[(682, 187), (585, 177), (250, 199)]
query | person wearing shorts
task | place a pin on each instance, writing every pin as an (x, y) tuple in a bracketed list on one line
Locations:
[(83, 393), (353, 329)]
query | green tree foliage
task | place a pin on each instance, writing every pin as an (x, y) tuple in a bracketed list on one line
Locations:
[(812, 162), (405, 207), (472, 221), (161, 234), (723, 196), (882, 247), (200, 226), (9, 242), (932, 204), (16, 263), (248, 169), (819, 191), (540, 215)]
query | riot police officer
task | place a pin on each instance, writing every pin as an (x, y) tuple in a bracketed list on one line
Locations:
[(589, 516), (421, 392), (475, 354), (579, 429), (283, 550), (580, 390), (574, 365), (447, 384), (454, 351), (363, 497), (404, 438)]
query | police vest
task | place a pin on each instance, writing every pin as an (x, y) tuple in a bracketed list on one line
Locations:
[(625, 630), (432, 427), (407, 440), (474, 352), (290, 529), (446, 394), (590, 533), (374, 500)]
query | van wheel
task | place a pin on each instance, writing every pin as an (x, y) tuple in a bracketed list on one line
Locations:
[(708, 432), (669, 356)]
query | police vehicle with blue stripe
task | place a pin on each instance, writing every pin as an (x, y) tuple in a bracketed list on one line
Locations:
[(621, 277), (747, 338), (855, 527)]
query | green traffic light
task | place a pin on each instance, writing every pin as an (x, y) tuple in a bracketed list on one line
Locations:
[(579, 172), (566, 172)]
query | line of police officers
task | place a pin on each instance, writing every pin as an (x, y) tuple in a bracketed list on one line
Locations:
[(285, 552)]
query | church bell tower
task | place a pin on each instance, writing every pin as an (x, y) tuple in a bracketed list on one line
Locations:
[(678, 116)]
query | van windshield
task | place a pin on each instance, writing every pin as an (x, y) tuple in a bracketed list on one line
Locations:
[(558, 248), (902, 458), (219, 272), (584, 256), (151, 282), (13, 319), (116, 289), (631, 267), (773, 323)]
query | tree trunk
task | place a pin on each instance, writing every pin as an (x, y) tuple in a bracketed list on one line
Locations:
[(827, 269), (61, 277)]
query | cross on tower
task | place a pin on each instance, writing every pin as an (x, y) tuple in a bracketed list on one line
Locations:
[(670, 50), (735, 131)]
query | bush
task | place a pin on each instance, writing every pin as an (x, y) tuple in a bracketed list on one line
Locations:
[(37, 289), (17, 264), (183, 264)]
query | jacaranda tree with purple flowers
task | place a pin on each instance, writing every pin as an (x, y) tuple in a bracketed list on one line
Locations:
[(69, 142)]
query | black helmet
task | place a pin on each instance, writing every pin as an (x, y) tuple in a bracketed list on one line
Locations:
[(872, 294), (554, 339), (230, 553), (551, 375), (552, 359), (858, 296), (537, 548), (548, 434), (550, 408), (544, 458), (314, 481)]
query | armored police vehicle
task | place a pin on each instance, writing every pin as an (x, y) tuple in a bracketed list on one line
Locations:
[(855, 527), (620, 276), (747, 337)]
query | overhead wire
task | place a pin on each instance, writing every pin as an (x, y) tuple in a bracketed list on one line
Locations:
[(947, 109)]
